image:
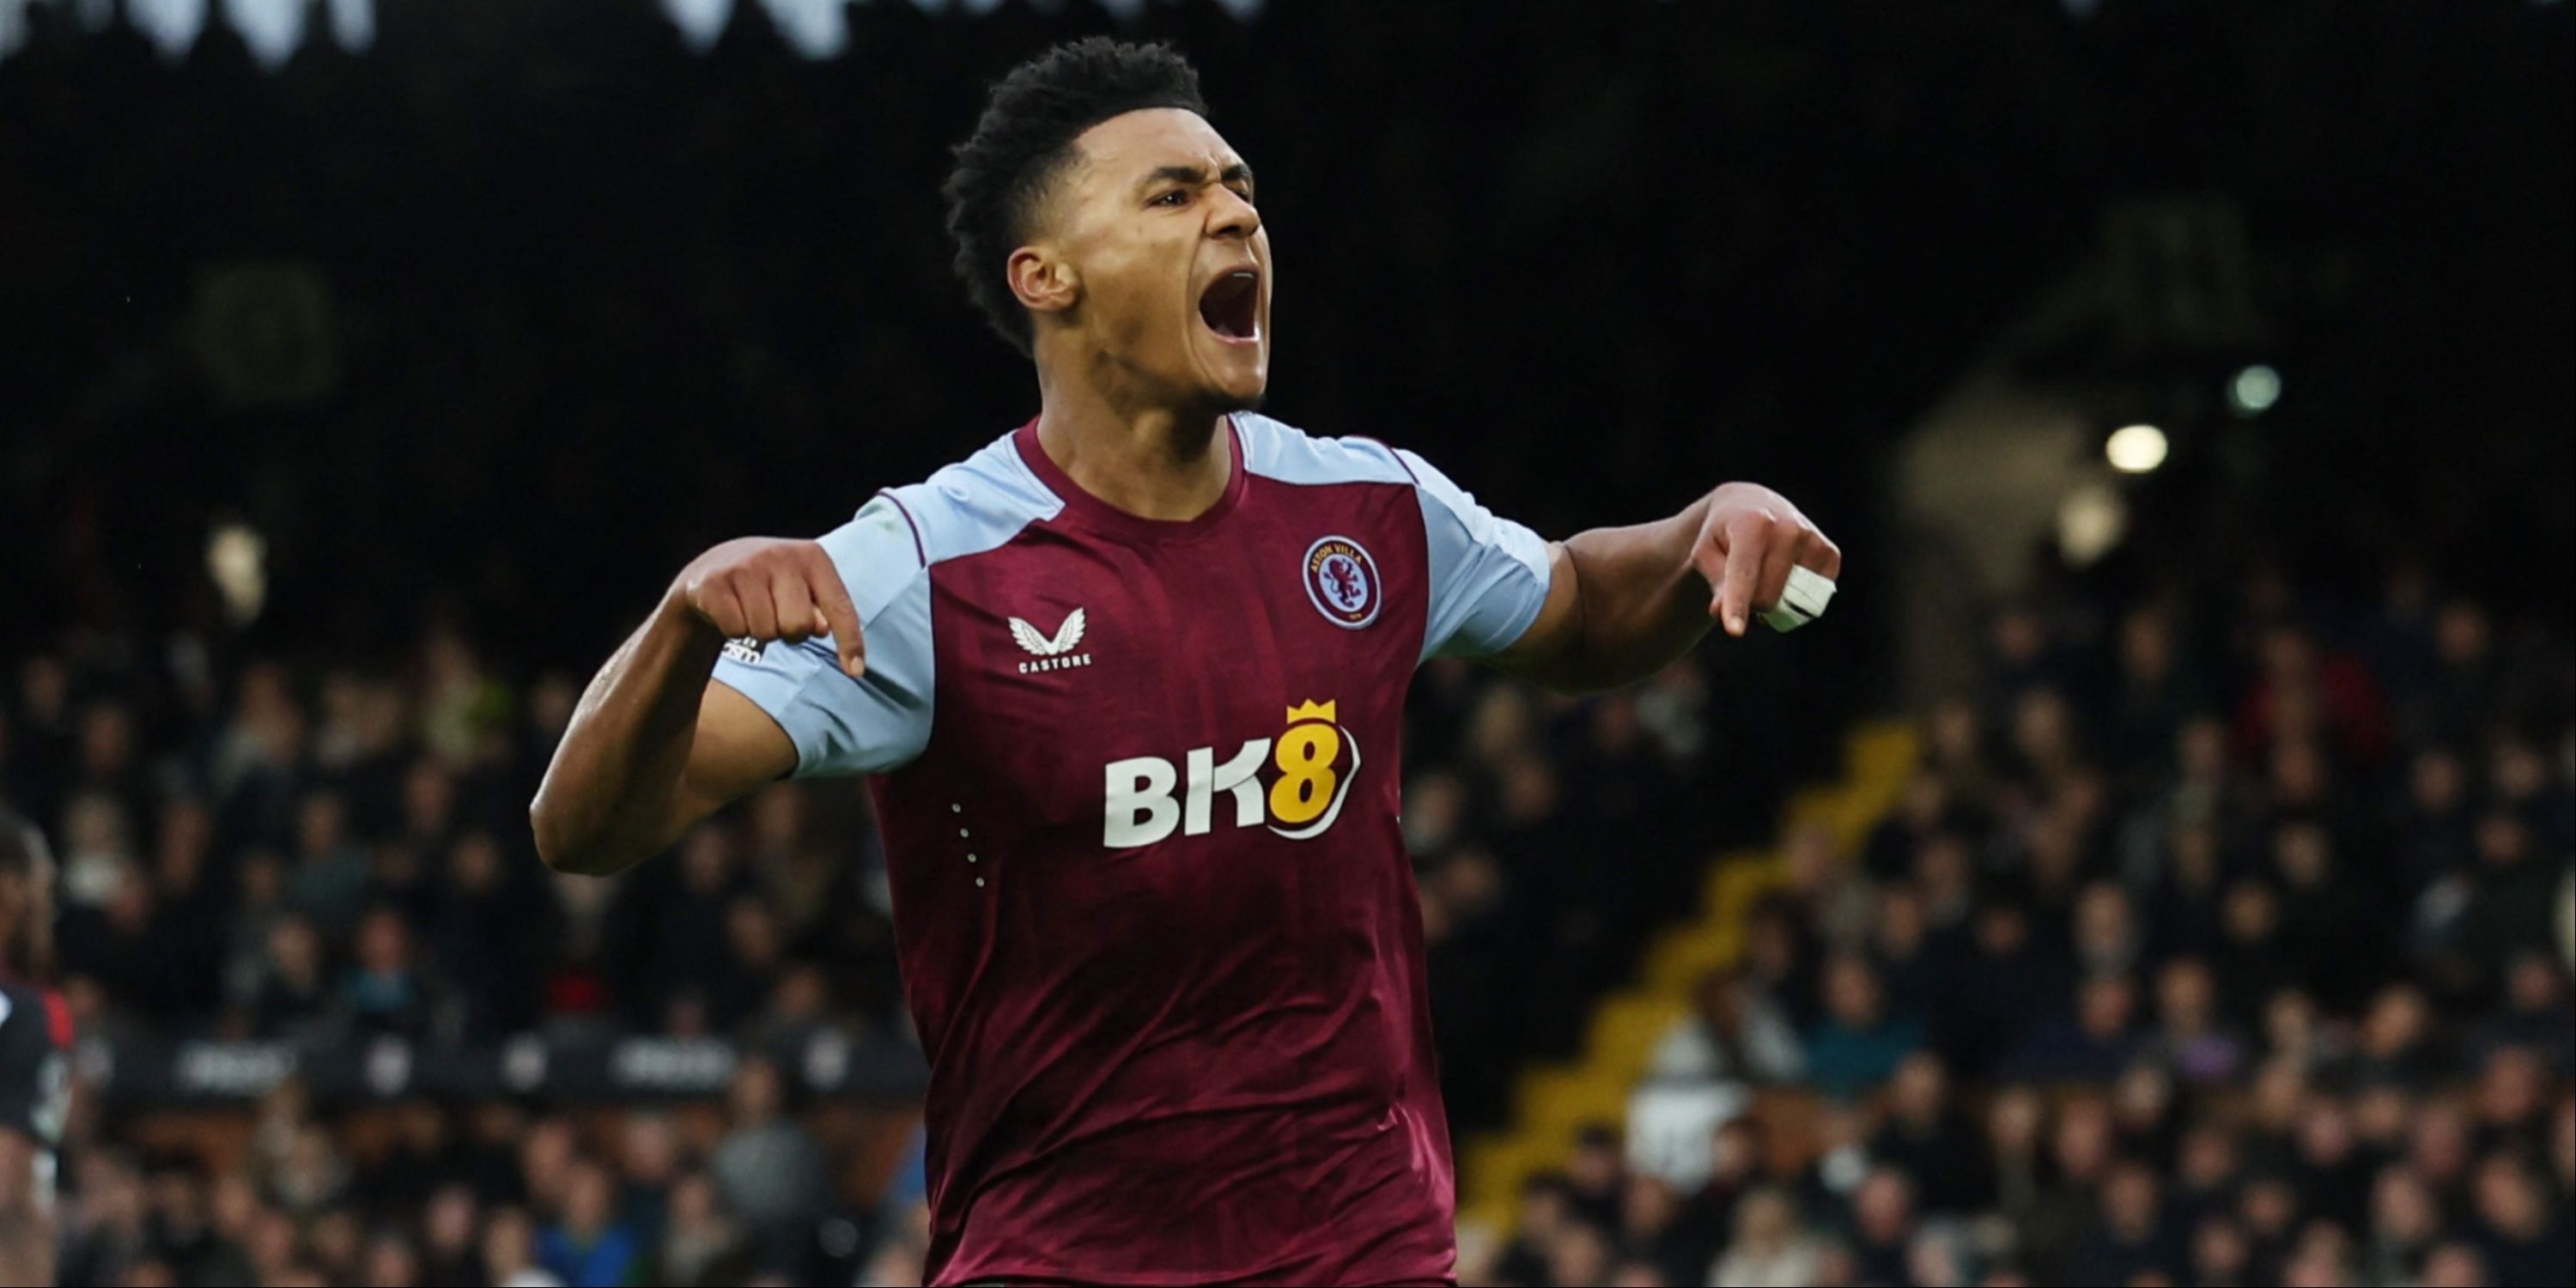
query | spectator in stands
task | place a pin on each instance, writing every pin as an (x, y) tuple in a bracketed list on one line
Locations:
[(2134, 1236), (768, 1169), (548, 1150), (1921, 1138), (2405, 1223), (700, 1245), (392, 1262), (2220, 1252), (510, 1253), (1883, 1227), (107, 1237), (589, 1246), (330, 883), (2537, 1015), (2059, 1215), (1769, 1249), (1596, 1176), (2094, 1044), (1546, 1211), (447, 1252), (648, 1168), (2189, 1038), (1650, 1236), (1859, 1043), (383, 992), (1738, 1035), (1580, 1255), (311, 1175), (2521, 1236), (486, 935)]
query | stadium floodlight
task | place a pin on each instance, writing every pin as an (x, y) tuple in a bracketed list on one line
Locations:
[(237, 562), (2136, 449), (2254, 390)]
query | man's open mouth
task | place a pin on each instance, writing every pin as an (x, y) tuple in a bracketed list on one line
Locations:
[(1231, 305)]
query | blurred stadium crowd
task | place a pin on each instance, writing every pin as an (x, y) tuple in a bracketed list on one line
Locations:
[(316, 859), (275, 854), (2219, 939)]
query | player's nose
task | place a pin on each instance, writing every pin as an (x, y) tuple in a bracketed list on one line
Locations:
[(1230, 216)]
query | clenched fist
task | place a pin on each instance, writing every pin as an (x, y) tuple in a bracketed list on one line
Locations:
[(769, 588)]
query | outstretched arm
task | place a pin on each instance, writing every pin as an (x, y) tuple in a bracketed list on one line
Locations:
[(1624, 602), (655, 745)]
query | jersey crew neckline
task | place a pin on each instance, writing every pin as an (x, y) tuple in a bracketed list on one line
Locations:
[(1100, 516)]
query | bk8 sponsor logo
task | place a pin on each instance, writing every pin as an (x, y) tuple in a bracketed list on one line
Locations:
[(1312, 764)]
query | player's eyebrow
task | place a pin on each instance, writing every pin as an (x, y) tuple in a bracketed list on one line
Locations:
[(1194, 176)]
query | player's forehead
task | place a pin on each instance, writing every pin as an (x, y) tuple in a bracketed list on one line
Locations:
[(1132, 147)]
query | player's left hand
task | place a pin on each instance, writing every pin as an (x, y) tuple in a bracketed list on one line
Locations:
[(1752, 538)]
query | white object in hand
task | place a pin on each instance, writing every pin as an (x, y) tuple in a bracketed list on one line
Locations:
[(1802, 600)]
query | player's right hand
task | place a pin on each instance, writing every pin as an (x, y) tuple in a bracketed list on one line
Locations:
[(769, 588)]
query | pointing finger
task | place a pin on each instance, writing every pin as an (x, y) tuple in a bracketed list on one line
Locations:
[(1748, 543), (839, 615)]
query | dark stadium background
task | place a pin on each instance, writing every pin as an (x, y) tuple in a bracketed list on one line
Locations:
[(480, 331)]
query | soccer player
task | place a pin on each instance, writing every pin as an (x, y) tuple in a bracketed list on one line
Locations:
[(35, 1041), (1130, 680)]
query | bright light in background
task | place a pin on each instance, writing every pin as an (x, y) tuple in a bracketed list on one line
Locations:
[(2090, 523), (171, 25), (275, 28), (699, 21), (271, 30), (353, 23), (2254, 390), (815, 28), (237, 560), (2136, 449)]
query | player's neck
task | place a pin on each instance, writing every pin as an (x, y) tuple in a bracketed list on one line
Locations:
[(1153, 462)]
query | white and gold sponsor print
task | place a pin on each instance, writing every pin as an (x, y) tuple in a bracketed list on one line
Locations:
[(1309, 768)]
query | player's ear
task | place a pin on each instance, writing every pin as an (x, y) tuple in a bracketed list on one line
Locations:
[(1044, 281)]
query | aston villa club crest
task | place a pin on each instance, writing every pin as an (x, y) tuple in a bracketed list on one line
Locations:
[(1341, 579)]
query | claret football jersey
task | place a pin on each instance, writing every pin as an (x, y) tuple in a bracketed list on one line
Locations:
[(1138, 781)]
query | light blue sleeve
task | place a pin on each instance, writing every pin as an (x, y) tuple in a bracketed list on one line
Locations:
[(880, 721), (1488, 574)]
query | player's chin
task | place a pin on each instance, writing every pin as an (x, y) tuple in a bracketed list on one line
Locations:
[(1241, 395), (1236, 384)]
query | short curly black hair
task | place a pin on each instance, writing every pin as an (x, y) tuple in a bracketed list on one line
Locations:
[(1025, 139)]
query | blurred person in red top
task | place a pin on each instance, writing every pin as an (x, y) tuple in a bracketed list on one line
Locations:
[(2303, 690)]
